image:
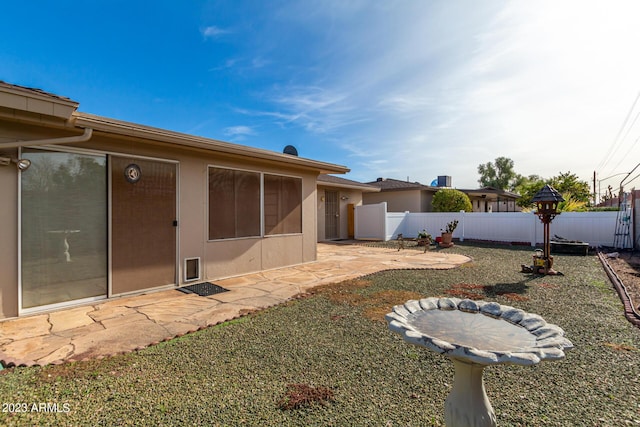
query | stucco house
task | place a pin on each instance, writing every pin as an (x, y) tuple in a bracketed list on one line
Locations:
[(337, 199), (401, 196), (97, 208), (491, 199), (405, 196)]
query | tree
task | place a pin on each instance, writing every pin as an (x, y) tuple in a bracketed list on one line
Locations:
[(451, 200), (527, 188), (499, 174), (569, 183), (575, 192)]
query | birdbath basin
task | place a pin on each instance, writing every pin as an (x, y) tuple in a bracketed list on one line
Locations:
[(475, 334)]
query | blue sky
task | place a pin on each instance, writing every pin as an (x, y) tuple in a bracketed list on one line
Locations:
[(397, 89)]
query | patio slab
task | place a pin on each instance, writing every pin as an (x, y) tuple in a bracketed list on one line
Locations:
[(126, 324)]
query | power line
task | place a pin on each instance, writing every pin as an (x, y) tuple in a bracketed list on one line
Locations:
[(615, 145), (628, 151)]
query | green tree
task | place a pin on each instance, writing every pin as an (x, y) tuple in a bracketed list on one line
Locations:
[(527, 188), (499, 174), (451, 200), (569, 184), (575, 192)]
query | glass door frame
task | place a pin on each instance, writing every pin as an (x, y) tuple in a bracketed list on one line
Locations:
[(108, 294)]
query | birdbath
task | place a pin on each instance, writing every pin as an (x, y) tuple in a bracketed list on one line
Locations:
[(475, 334)]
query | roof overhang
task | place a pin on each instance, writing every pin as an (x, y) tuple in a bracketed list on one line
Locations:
[(364, 188), (36, 101), (137, 131), (491, 195)]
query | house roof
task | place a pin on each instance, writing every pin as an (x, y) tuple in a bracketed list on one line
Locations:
[(336, 181), (390, 184), (137, 131), (490, 191), (36, 102), (32, 90)]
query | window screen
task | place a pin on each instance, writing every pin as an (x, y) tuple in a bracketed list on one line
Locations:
[(234, 203), (282, 205)]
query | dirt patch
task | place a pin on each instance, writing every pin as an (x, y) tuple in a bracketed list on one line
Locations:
[(380, 303), (375, 305), (621, 347), (627, 267), (478, 292), (299, 395)]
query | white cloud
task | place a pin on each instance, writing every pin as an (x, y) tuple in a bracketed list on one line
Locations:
[(213, 31), (426, 89), (233, 131)]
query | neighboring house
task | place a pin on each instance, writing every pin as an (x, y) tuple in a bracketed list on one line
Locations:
[(337, 199), (401, 196), (405, 196), (490, 199), (109, 208)]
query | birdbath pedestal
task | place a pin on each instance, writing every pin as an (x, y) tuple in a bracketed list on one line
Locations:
[(475, 334)]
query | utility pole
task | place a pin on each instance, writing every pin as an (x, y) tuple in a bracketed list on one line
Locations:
[(595, 196)]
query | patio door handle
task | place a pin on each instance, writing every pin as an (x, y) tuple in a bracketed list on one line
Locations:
[(175, 222)]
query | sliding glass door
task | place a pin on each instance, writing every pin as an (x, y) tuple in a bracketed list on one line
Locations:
[(64, 227)]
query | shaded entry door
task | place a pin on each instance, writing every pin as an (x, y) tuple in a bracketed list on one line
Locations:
[(331, 215), (143, 215)]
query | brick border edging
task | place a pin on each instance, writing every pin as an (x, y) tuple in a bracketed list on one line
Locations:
[(629, 311)]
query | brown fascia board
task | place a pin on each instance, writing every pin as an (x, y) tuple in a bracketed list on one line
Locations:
[(340, 182), (418, 187), (353, 186), (390, 184), (490, 190), (133, 130), (36, 101)]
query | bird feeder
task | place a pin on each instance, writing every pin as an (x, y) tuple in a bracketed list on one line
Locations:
[(546, 201)]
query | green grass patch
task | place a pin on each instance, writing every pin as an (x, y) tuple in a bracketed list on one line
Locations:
[(331, 354)]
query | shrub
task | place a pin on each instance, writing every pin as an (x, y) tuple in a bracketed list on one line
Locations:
[(451, 200)]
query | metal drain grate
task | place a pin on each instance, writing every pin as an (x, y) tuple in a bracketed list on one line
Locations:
[(203, 289)]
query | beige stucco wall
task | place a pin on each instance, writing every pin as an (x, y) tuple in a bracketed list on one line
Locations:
[(218, 258), (352, 196), (426, 199), (227, 257), (224, 258), (397, 201)]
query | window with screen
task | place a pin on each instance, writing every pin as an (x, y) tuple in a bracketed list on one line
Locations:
[(282, 205), (234, 203)]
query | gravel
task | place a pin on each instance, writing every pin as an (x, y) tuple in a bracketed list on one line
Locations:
[(239, 373)]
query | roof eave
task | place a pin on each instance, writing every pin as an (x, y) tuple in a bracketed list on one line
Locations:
[(129, 129), (36, 101), (363, 188)]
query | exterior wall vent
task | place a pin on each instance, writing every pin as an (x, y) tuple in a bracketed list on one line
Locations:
[(191, 269)]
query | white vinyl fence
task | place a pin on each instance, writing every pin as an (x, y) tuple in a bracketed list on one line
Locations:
[(373, 222)]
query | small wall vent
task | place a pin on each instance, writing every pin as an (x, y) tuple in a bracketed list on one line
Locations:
[(191, 269)]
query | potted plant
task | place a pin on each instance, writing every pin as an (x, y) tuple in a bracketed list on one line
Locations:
[(447, 234), (424, 238)]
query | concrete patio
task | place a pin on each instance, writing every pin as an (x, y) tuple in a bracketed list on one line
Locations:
[(126, 324)]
